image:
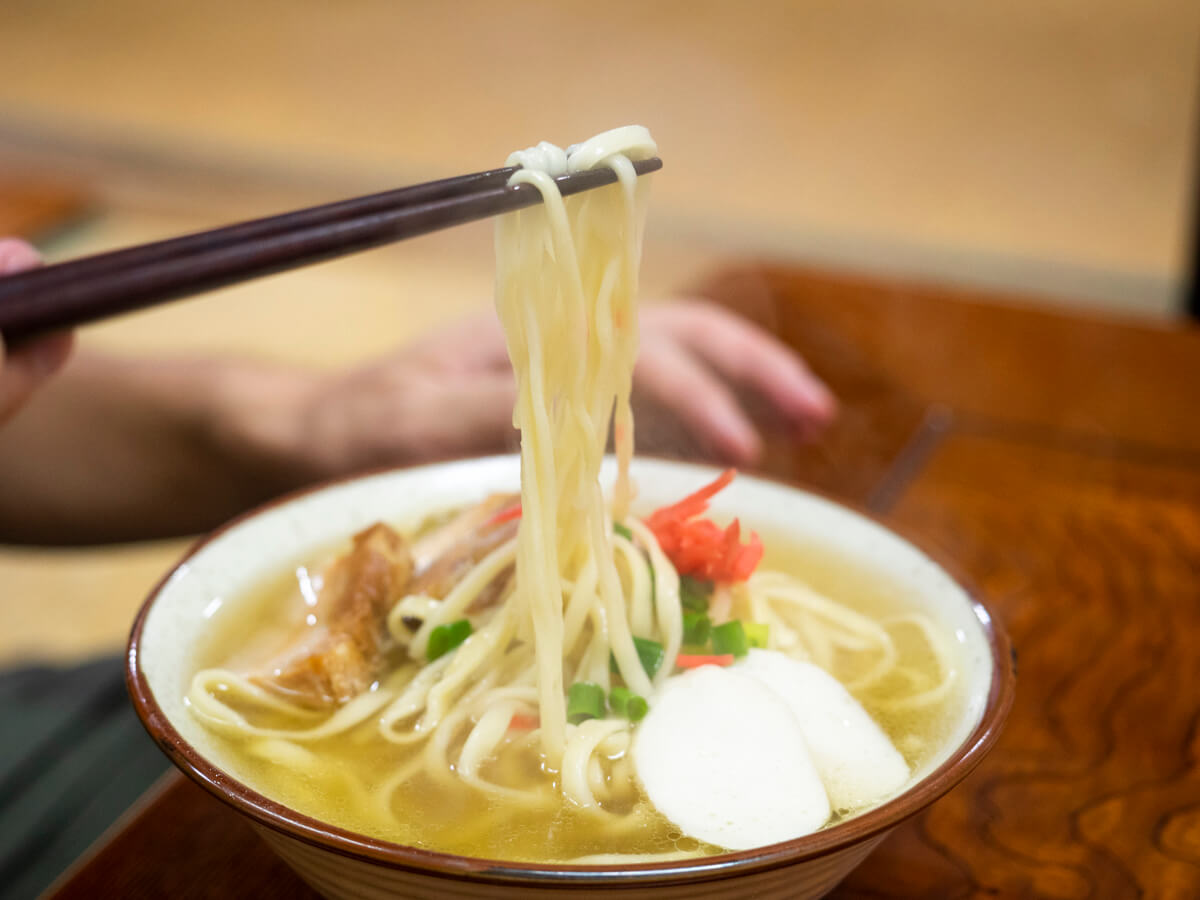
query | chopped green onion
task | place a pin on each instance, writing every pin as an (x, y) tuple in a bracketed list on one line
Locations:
[(651, 653), (694, 593), (757, 634), (623, 531), (585, 700), (625, 702), (696, 628), (730, 638), (618, 698), (636, 708), (445, 638)]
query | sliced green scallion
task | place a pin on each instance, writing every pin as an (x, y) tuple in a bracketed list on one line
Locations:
[(696, 629), (636, 708), (694, 594), (757, 634), (618, 698), (651, 653), (730, 638), (585, 700), (625, 702), (446, 637), (623, 531)]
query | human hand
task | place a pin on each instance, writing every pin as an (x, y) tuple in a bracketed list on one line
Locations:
[(701, 366), (452, 393), (23, 369), (449, 393)]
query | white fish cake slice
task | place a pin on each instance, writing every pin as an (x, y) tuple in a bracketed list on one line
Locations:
[(724, 759), (858, 763)]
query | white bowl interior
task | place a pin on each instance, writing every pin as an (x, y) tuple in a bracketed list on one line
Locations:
[(227, 567)]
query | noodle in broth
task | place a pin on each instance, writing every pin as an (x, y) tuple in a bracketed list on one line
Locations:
[(429, 755)]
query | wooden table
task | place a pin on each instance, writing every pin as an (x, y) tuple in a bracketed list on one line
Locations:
[(1057, 458)]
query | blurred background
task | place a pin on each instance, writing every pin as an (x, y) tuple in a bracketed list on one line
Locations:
[(1046, 149)]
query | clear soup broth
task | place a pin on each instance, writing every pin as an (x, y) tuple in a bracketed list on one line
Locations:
[(357, 780)]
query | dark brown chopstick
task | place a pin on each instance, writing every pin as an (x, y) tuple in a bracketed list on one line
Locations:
[(96, 287), (283, 222)]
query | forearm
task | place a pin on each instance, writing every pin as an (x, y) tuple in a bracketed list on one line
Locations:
[(123, 449)]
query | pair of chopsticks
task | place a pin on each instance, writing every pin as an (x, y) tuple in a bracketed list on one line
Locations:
[(96, 287)]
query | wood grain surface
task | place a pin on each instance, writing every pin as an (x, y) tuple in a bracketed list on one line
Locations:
[(1057, 459), (1093, 790)]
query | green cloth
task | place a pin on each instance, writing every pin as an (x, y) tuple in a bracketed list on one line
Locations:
[(73, 757)]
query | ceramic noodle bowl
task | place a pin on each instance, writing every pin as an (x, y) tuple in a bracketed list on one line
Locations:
[(226, 565)]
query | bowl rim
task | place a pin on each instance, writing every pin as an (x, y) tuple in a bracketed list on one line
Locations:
[(280, 818)]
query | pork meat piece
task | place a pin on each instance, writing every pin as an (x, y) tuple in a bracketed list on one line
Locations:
[(345, 652)]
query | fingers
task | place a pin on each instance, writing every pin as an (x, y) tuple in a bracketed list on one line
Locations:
[(749, 356), (401, 414), (16, 256), (473, 344), (24, 369), (474, 416), (676, 381)]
